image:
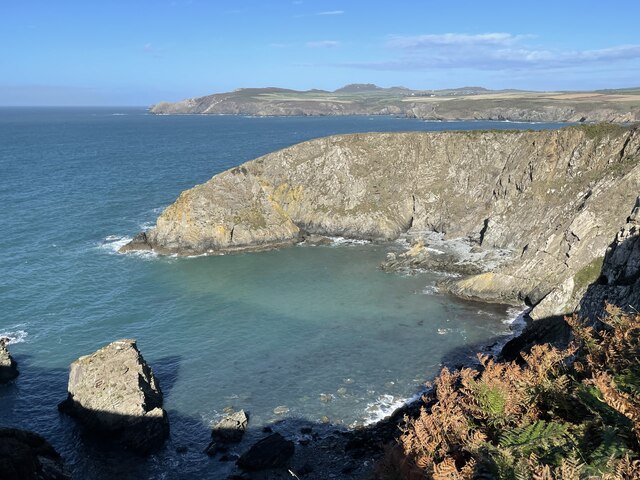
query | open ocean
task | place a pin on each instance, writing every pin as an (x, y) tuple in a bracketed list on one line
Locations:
[(318, 330)]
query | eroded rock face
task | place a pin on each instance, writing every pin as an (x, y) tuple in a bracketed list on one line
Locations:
[(619, 280), (8, 367), (26, 455), (114, 392), (552, 199)]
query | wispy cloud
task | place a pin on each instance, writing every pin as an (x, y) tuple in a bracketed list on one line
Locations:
[(496, 51), (331, 12), (323, 44), (451, 39), (151, 49)]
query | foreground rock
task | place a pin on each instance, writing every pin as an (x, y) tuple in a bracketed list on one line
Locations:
[(228, 430), (550, 200), (27, 456), (114, 392), (8, 367), (270, 452)]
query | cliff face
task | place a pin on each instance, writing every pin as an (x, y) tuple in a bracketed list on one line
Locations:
[(553, 199), (619, 279)]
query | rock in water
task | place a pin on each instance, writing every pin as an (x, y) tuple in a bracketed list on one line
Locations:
[(8, 367), (114, 392), (27, 456), (228, 430), (270, 452)]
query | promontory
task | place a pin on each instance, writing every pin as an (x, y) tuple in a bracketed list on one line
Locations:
[(537, 209), (467, 103)]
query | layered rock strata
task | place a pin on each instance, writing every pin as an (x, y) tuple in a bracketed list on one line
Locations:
[(551, 200), (114, 392), (619, 280)]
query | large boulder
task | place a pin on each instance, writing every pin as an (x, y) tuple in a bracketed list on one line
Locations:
[(8, 367), (270, 452), (113, 392), (27, 456)]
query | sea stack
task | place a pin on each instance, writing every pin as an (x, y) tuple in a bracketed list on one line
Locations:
[(8, 366), (114, 392)]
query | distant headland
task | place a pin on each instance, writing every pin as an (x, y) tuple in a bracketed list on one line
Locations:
[(466, 103)]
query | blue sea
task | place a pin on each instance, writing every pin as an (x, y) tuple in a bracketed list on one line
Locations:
[(321, 331)]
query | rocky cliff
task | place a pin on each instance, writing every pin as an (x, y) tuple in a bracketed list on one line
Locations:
[(549, 201), (619, 280)]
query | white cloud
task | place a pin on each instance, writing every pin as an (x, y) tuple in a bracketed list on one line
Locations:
[(323, 44), (452, 39), (489, 51), (331, 12), (151, 49)]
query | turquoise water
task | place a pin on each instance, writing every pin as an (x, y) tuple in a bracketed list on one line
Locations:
[(318, 330)]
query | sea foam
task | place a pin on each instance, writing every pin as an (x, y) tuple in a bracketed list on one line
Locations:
[(14, 336)]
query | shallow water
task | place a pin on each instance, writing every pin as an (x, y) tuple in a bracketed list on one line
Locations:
[(318, 330)]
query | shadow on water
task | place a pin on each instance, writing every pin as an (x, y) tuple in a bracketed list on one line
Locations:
[(321, 448)]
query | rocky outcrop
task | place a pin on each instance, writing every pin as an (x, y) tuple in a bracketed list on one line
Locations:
[(270, 452), (550, 201), (114, 392), (228, 430), (27, 456), (8, 366), (619, 280)]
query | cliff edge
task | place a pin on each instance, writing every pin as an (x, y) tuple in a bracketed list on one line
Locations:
[(552, 200)]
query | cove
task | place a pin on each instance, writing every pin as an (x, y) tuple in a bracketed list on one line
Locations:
[(321, 331)]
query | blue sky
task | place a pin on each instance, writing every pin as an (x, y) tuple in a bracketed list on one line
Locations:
[(138, 52)]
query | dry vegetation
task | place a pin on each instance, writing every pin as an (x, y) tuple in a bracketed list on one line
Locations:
[(566, 414)]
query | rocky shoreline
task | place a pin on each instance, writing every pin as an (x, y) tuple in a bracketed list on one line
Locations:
[(455, 218), (524, 215), (340, 454)]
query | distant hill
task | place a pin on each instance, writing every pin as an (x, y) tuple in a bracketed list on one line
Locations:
[(462, 103), (357, 87)]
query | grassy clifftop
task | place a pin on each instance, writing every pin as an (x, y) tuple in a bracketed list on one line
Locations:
[(470, 103)]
